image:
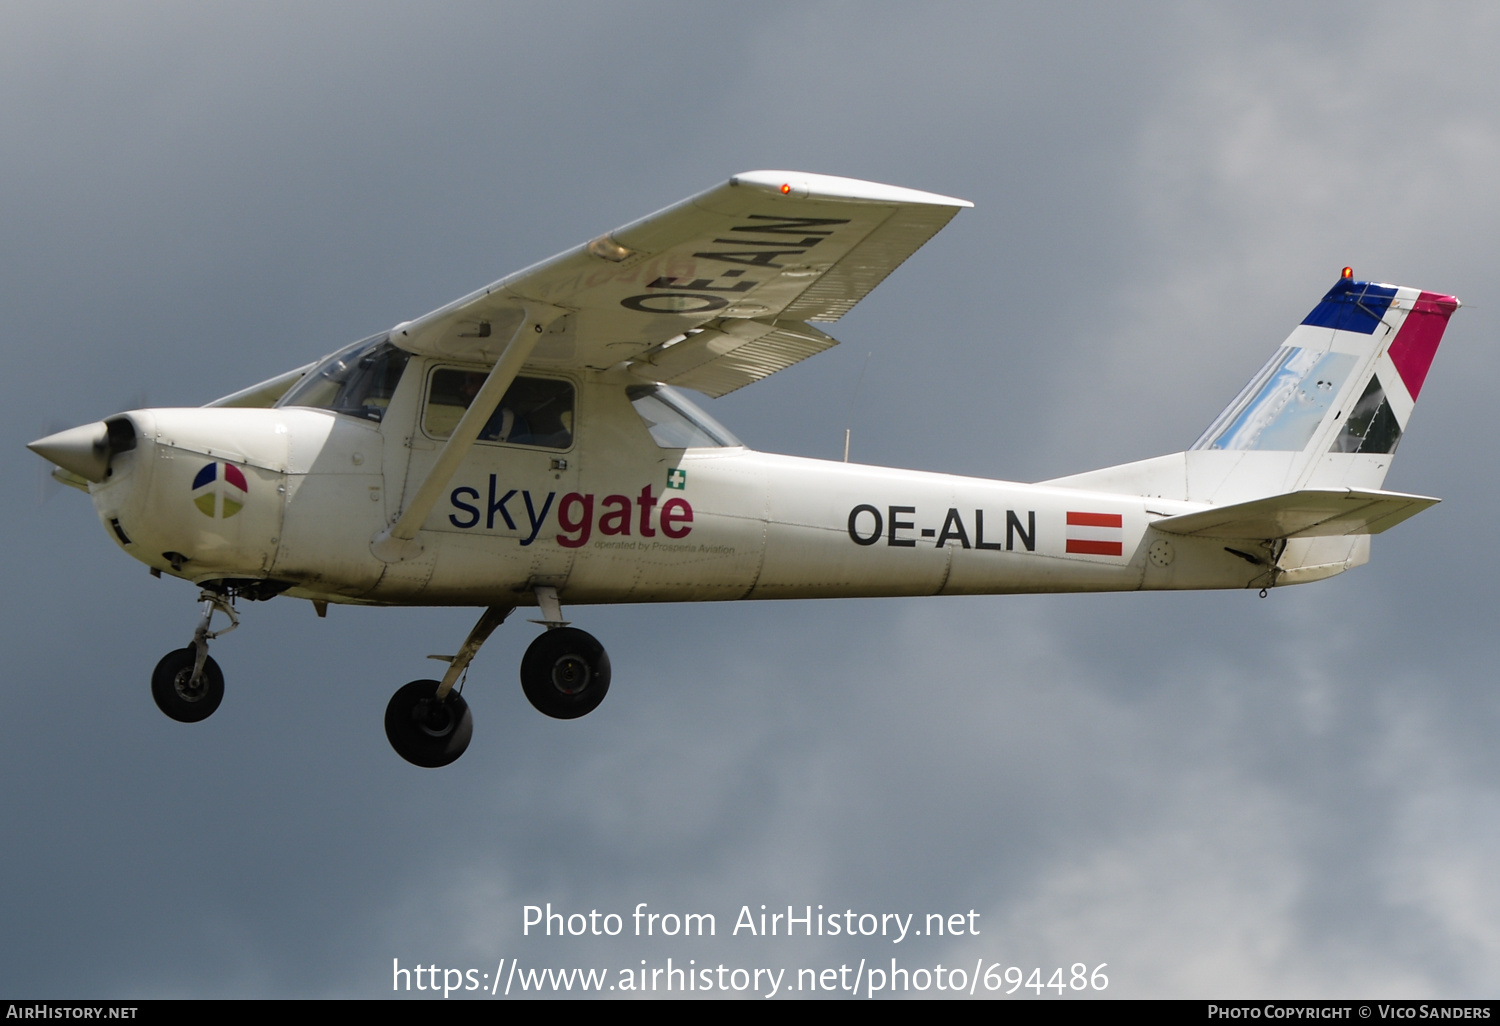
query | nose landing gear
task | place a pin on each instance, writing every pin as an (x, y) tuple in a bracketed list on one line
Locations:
[(187, 684), (184, 690)]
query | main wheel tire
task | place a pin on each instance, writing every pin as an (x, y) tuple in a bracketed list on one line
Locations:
[(565, 673), (171, 686), (424, 731)]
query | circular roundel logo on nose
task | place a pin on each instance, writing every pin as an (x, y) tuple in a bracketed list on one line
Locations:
[(219, 490)]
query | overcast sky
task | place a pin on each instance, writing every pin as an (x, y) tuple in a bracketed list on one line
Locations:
[(1215, 794)]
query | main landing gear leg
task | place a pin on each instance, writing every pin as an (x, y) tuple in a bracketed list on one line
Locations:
[(565, 672), (427, 722), (187, 684)]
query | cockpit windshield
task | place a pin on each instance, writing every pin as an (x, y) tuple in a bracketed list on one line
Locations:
[(674, 422), (357, 380)]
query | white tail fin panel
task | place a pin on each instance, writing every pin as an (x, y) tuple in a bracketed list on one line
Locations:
[(1310, 513), (1341, 389), (1326, 412)]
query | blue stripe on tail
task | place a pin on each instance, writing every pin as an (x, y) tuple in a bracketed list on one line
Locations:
[(1352, 306)]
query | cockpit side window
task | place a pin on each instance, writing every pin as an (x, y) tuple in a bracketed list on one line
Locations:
[(674, 422), (358, 380), (535, 411)]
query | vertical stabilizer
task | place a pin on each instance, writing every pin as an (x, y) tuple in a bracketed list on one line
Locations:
[(1335, 399), (1326, 411)]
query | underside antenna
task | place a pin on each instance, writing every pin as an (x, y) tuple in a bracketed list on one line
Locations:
[(850, 418)]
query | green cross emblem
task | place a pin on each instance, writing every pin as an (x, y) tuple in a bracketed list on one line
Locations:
[(677, 478)]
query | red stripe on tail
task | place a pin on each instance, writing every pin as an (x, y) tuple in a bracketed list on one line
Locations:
[(1096, 520), (1417, 341), (1095, 548)]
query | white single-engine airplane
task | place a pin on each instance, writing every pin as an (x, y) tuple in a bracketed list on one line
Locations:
[(524, 446)]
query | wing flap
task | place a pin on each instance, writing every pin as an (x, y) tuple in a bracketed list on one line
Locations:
[(1310, 513), (731, 354)]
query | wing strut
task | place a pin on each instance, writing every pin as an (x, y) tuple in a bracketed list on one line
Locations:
[(399, 541)]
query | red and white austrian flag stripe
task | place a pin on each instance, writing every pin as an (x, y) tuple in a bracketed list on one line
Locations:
[(1096, 534)]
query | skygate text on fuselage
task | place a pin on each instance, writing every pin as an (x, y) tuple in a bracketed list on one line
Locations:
[(527, 445), (576, 519)]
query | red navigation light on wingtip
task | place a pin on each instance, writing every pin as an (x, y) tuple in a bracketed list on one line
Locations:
[(1348, 272), (786, 187)]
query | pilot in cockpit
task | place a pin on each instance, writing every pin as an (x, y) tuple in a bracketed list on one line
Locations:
[(452, 393)]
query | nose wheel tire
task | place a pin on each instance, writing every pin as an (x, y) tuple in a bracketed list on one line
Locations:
[(565, 673), (425, 731), (178, 695)]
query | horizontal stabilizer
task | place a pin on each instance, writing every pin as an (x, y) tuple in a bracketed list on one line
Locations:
[(1310, 513)]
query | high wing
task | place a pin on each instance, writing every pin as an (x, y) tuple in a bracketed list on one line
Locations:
[(712, 293)]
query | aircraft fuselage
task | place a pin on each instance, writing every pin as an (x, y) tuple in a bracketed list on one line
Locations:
[(294, 496)]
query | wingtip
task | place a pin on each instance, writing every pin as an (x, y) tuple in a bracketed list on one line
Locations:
[(806, 185)]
